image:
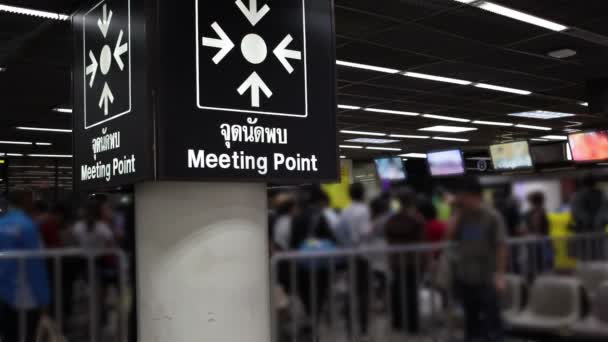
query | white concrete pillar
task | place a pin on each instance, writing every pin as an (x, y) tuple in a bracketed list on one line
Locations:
[(202, 262)]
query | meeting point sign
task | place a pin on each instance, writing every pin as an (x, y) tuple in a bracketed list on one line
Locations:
[(204, 90)]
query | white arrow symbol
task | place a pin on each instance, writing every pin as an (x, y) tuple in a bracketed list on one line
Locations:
[(252, 13), (119, 50), (104, 24), (92, 68), (283, 53), (255, 83), (106, 95), (224, 43)]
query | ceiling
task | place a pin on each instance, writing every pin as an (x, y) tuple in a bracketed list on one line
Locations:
[(437, 37)]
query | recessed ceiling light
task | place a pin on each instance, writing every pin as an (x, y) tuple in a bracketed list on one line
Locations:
[(50, 155), (562, 53), (63, 110), (388, 111), (372, 141), (555, 137), (492, 123), (414, 155), (448, 129), (42, 129), (32, 12), (7, 142), (450, 139), (503, 89), (542, 115), (584, 104), (436, 78), (521, 16), (539, 128), (443, 117), (368, 67), (352, 147), (382, 148), (349, 107), (344, 131), (407, 136)]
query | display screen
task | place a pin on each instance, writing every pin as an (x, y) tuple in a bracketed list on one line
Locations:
[(390, 169), (511, 156), (446, 163), (550, 153), (590, 146)]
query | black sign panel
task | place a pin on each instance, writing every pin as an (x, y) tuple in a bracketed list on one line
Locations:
[(112, 125), (246, 90)]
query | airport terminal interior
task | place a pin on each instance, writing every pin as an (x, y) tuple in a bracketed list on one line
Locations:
[(348, 170)]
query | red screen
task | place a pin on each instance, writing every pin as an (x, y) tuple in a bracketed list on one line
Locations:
[(591, 146)]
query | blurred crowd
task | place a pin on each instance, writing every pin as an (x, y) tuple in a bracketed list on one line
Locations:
[(27, 287)]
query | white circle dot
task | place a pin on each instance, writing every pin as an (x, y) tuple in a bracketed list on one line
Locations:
[(254, 48), (105, 60)]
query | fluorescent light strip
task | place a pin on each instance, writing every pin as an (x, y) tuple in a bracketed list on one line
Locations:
[(406, 136), (11, 155), (539, 128), (342, 157), (450, 139), (447, 118), (368, 67), (503, 89), (344, 131), (521, 16), (352, 147), (448, 129), (388, 111), (43, 144), (382, 148), (414, 155), (7, 142), (584, 104), (63, 110), (372, 141), (539, 139), (492, 123), (50, 155), (32, 12), (349, 107), (42, 129), (436, 78), (555, 137)]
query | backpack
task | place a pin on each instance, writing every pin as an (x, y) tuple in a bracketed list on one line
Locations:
[(313, 244)]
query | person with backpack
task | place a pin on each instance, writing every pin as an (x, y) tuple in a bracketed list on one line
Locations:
[(478, 237)]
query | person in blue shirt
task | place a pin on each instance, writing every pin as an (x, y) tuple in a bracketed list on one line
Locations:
[(26, 291)]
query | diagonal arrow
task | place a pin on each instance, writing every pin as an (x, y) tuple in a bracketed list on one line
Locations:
[(252, 13), (92, 68), (104, 23), (255, 83), (283, 53), (106, 95), (224, 43), (119, 50)]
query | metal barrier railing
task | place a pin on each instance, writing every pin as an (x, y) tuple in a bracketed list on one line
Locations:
[(384, 293), (88, 288)]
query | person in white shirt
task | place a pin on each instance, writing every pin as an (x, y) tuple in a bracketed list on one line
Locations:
[(93, 232), (282, 228), (355, 221)]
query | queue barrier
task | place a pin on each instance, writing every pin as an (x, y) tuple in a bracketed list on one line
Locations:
[(90, 296), (395, 292)]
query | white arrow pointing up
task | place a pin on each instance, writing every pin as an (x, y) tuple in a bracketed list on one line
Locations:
[(224, 43), (106, 95), (104, 23), (283, 53), (252, 13), (255, 83), (92, 68), (119, 50)]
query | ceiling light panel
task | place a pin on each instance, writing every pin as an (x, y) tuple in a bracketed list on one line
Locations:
[(448, 129), (542, 115)]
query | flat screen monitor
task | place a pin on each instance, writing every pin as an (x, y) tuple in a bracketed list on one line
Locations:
[(511, 156), (589, 146), (446, 163), (548, 154), (390, 169)]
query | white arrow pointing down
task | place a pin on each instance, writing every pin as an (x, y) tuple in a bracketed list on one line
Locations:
[(283, 53), (252, 13), (224, 43), (255, 83), (104, 22)]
